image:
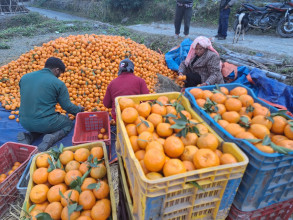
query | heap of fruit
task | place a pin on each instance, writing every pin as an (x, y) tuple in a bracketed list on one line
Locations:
[(70, 185), (92, 61), (239, 114), (3, 176), (166, 140)]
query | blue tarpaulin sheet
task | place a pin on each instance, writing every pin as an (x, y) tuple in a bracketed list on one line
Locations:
[(10, 128)]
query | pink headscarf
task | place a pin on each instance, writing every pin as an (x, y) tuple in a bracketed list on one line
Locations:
[(202, 41)]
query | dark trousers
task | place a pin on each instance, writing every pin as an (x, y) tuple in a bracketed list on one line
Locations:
[(192, 79), (223, 22), (182, 12)]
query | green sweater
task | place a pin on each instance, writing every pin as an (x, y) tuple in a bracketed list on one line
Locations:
[(40, 91)]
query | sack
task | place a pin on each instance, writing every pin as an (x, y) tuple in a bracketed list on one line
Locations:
[(229, 72)]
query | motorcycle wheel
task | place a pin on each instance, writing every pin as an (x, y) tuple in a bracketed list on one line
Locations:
[(283, 29), (235, 23)]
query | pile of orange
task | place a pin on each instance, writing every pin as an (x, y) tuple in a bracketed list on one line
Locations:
[(52, 194), (92, 61), (3, 176), (159, 148), (238, 113)]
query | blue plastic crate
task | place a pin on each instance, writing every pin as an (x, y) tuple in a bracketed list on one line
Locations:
[(24, 179), (269, 177)]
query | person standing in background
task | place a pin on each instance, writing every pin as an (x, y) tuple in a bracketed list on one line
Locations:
[(183, 10), (225, 6)]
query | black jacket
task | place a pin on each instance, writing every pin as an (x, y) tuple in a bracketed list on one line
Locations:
[(184, 1)]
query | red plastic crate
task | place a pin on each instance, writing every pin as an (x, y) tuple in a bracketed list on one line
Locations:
[(282, 211), (9, 154), (88, 126)]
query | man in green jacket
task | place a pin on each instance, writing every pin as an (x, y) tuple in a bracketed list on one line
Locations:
[(40, 91)]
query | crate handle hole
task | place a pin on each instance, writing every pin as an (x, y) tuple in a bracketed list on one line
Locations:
[(92, 115), (23, 148)]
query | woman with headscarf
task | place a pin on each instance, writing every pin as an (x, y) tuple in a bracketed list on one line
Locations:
[(202, 65)]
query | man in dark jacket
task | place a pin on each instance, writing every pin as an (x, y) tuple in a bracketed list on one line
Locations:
[(40, 91), (125, 84), (224, 18), (183, 10)]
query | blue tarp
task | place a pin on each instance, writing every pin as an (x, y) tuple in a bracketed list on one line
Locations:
[(263, 87), (10, 128)]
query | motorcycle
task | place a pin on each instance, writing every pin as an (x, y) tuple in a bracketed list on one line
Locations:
[(272, 15)]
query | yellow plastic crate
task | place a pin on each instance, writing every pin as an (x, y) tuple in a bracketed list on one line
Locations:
[(27, 203), (173, 197)]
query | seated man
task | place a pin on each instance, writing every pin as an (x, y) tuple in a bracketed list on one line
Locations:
[(125, 84), (40, 91)]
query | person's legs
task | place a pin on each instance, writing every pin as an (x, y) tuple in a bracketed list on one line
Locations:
[(192, 79), (63, 126), (187, 19), (224, 20), (178, 18), (220, 25), (27, 137)]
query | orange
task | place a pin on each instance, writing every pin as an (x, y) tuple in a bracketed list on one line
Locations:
[(131, 130), (279, 125), (71, 176), (98, 172), (246, 100), (87, 181), (73, 216), (56, 176), (287, 144), (34, 213), (101, 210), (155, 119), (87, 199), (83, 168), (164, 130), (154, 145), (158, 109), (233, 104), (223, 123), (138, 120), (261, 111), (288, 131), (73, 197), (190, 139), (277, 138), (261, 119), (154, 176), (42, 160), (188, 153), (207, 94), (38, 193), (144, 138), (173, 146), (81, 154), (40, 175), (144, 109), (139, 154), (208, 140), (224, 90), (186, 113), (103, 191), (200, 102), (125, 102), (103, 130), (54, 209), (219, 98), (129, 115), (202, 129), (238, 91), (219, 153), (84, 217), (66, 156), (220, 108), (189, 166), (155, 136), (163, 99), (197, 93), (86, 213), (246, 111), (173, 167), (245, 135), (97, 152), (205, 158), (154, 160), (231, 117), (171, 110), (134, 144), (143, 127), (53, 193), (264, 148), (16, 164), (227, 158), (234, 129), (41, 206), (143, 167), (72, 165), (259, 131)]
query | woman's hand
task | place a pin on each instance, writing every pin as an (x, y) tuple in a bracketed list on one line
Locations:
[(203, 84)]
